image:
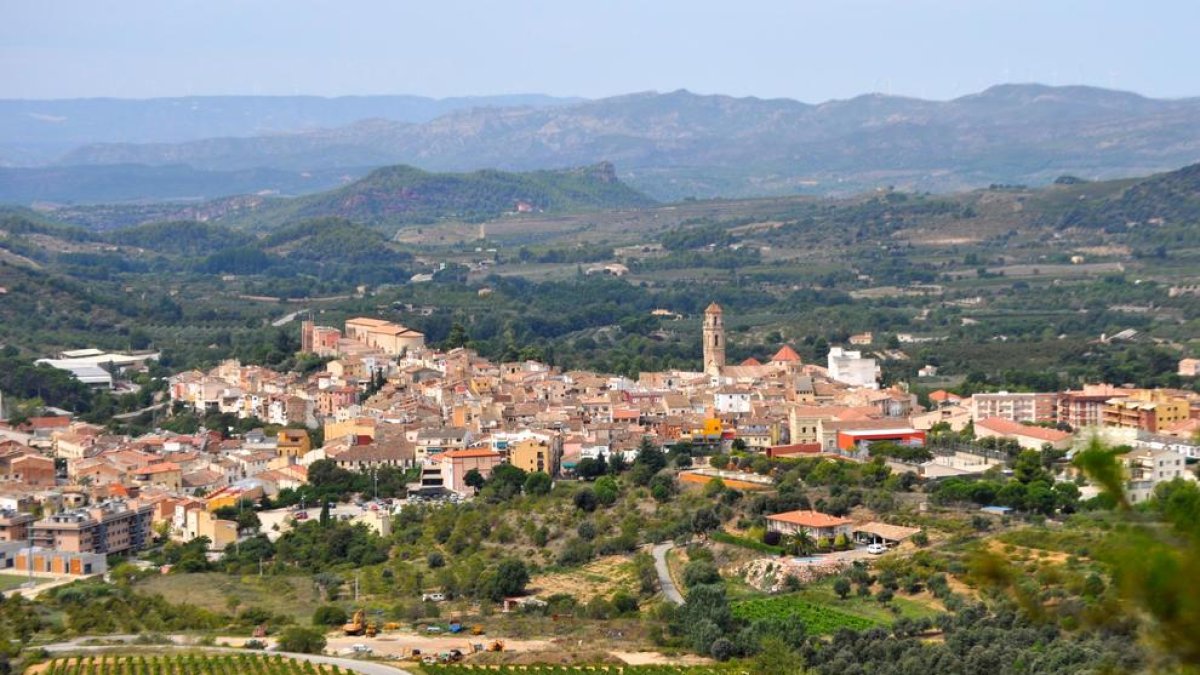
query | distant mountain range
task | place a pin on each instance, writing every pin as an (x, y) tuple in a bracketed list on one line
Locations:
[(37, 132), (680, 144), (116, 183)]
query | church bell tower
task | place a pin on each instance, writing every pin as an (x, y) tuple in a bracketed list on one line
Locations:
[(714, 340)]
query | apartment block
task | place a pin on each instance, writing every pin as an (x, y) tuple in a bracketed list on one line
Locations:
[(114, 526), (1015, 407)]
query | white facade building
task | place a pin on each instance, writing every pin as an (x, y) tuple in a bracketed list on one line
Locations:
[(729, 401), (849, 367)]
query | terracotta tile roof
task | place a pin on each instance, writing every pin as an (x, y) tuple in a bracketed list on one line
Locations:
[(49, 422), (161, 467), (470, 453), (367, 321), (1010, 428), (890, 532), (809, 519), (751, 362), (786, 355)]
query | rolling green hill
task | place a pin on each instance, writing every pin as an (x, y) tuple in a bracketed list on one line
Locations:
[(180, 237), (391, 197), (400, 195), (1171, 199)]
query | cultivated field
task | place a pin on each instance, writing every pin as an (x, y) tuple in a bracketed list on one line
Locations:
[(182, 664)]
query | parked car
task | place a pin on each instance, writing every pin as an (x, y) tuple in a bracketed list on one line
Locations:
[(876, 549)]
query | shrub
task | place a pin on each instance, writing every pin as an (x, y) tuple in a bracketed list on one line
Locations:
[(606, 490), (301, 640), (509, 579), (329, 615), (841, 586), (722, 649), (585, 500), (699, 572), (576, 552), (624, 603), (538, 483), (586, 530)]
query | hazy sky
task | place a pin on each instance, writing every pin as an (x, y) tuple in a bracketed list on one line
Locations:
[(804, 49)]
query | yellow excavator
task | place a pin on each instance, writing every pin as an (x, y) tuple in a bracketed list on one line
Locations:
[(357, 624)]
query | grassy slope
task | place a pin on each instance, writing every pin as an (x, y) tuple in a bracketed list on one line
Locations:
[(294, 596)]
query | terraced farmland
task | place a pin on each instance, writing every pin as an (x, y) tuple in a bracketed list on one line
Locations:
[(182, 664), (817, 619)]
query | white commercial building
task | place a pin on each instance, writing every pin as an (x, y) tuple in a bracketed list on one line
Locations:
[(86, 372), (849, 367)]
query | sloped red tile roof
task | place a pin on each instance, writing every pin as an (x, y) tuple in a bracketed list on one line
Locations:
[(785, 355), (809, 519), (1010, 428)]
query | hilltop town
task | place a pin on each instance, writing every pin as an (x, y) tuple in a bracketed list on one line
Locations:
[(382, 399)]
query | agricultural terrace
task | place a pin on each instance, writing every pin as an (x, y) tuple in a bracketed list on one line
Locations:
[(786, 612), (182, 664), (460, 669)]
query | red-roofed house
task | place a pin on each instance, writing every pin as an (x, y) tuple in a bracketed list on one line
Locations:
[(162, 474), (1032, 438), (456, 464), (794, 450), (34, 470), (815, 523), (751, 362), (942, 397)]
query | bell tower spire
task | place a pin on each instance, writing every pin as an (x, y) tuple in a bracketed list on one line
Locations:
[(714, 340)]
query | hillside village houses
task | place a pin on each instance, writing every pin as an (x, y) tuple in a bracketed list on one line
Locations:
[(386, 399)]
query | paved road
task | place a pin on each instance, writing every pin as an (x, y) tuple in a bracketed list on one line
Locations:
[(353, 665), (287, 318), (664, 573), (135, 413)]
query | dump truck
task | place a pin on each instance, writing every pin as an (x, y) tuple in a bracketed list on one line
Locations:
[(357, 624), (496, 646), (372, 629), (477, 629)]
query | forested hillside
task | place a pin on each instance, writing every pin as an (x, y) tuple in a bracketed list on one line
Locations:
[(1171, 198), (390, 197), (401, 195)]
